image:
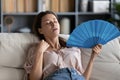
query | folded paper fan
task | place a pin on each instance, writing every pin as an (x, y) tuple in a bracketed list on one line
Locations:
[(91, 33)]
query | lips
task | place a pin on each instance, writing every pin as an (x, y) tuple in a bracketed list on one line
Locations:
[(55, 29)]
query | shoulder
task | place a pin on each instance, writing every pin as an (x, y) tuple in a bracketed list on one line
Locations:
[(30, 57), (33, 46), (32, 49)]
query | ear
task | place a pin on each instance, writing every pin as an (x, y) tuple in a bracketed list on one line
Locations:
[(40, 31)]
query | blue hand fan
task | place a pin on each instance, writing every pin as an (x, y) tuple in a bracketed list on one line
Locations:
[(91, 33)]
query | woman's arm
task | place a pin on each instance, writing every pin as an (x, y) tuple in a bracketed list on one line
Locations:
[(95, 51), (36, 72)]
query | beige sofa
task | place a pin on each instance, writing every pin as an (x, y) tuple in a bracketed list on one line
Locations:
[(14, 46)]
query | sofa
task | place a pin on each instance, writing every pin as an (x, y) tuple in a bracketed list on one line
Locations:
[(14, 47)]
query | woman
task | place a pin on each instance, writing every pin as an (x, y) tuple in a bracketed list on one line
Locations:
[(50, 59)]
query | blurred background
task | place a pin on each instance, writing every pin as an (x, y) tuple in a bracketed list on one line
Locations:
[(16, 16)]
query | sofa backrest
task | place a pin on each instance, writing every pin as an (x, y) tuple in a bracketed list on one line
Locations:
[(107, 64), (14, 46), (13, 50)]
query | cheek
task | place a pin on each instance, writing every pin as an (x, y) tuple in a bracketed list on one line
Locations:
[(58, 26), (46, 30)]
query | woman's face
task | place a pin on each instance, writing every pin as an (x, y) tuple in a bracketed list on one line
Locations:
[(49, 26)]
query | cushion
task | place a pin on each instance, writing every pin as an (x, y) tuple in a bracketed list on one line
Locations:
[(13, 48), (107, 64)]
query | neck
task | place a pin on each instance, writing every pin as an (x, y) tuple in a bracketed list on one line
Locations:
[(54, 43)]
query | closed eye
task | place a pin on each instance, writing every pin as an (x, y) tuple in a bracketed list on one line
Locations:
[(48, 22), (55, 21), (51, 22)]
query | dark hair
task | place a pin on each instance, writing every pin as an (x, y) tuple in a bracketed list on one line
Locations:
[(37, 25)]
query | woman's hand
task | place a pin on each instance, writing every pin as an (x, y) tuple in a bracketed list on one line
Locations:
[(36, 72), (42, 46), (97, 49)]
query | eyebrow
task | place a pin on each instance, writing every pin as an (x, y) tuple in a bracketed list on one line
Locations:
[(48, 19)]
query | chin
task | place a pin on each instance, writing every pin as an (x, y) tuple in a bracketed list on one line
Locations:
[(55, 34)]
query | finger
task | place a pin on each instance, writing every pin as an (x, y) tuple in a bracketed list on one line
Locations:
[(96, 49), (42, 40), (100, 46)]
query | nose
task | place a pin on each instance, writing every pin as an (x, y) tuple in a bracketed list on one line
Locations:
[(52, 23)]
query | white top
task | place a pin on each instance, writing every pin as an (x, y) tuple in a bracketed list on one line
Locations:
[(53, 60)]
